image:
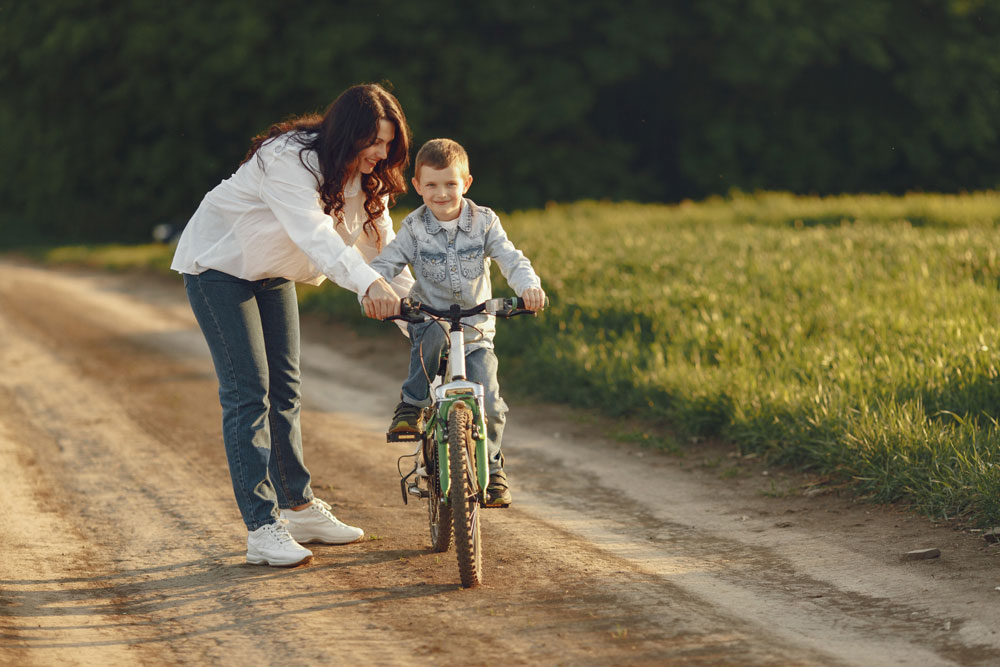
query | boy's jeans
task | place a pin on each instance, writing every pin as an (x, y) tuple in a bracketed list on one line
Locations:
[(252, 330), (480, 366)]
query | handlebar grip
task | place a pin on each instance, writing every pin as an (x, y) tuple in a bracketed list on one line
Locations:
[(520, 303), (409, 311), (509, 306)]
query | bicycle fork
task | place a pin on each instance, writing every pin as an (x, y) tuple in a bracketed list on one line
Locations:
[(436, 436)]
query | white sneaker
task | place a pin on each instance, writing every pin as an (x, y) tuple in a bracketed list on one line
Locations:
[(272, 545), (316, 524)]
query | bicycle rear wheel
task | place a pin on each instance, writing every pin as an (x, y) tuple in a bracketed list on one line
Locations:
[(464, 495), (438, 511)]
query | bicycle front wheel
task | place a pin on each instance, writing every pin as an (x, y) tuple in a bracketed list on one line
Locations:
[(464, 495)]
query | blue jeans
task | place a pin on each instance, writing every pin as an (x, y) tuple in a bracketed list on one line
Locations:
[(252, 330), (480, 366)]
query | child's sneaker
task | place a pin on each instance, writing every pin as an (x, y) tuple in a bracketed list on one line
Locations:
[(408, 419), (272, 545), (316, 524), (497, 491)]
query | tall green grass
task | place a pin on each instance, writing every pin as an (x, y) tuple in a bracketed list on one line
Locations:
[(858, 337), (854, 336)]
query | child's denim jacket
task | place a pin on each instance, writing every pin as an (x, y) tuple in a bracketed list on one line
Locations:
[(456, 270)]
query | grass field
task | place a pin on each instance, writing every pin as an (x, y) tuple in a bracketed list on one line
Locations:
[(856, 336)]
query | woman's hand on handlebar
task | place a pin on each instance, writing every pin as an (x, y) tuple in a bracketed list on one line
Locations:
[(534, 298), (380, 301)]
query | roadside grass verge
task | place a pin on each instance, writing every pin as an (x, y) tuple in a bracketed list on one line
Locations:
[(856, 337), (109, 257)]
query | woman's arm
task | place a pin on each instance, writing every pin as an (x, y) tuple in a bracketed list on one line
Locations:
[(288, 188)]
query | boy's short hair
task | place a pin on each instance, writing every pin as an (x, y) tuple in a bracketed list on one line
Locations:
[(441, 154)]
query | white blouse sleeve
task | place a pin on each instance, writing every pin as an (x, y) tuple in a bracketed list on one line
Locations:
[(289, 190)]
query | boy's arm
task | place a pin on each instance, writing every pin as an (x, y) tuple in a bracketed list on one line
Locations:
[(514, 266), (391, 262), (395, 255), (403, 282)]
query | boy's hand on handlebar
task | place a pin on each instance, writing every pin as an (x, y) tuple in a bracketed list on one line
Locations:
[(534, 298), (380, 301)]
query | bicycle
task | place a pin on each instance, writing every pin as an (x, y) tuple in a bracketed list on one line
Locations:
[(450, 468)]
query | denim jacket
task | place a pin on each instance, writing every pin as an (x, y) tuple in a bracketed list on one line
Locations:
[(456, 270)]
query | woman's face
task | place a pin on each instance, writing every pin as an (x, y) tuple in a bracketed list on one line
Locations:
[(369, 157)]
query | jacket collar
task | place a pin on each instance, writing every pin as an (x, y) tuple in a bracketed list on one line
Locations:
[(464, 219)]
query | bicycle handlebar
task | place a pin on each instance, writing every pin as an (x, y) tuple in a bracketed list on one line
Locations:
[(412, 311)]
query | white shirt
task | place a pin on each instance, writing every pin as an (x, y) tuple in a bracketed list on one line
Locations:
[(450, 226), (267, 221)]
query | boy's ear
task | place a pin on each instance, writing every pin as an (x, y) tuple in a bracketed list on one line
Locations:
[(468, 182), (416, 184)]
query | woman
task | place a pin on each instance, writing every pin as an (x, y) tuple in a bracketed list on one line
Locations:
[(309, 202)]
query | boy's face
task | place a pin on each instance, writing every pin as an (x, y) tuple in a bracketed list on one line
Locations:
[(442, 190)]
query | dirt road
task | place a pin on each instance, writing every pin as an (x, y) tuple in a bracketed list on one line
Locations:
[(122, 545)]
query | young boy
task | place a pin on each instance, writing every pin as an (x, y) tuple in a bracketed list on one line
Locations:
[(449, 242)]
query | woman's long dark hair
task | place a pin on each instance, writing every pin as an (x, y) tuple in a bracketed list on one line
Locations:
[(349, 125)]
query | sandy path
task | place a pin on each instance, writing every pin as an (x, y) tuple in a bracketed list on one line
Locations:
[(122, 543)]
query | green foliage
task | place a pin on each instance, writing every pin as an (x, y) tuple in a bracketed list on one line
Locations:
[(121, 115), (827, 333)]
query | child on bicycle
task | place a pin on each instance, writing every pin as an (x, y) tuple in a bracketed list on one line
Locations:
[(449, 242)]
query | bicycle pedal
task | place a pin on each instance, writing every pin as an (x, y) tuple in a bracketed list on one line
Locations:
[(495, 506), (404, 436), (414, 490)]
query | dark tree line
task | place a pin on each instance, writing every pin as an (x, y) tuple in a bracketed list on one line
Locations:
[(118, 114)]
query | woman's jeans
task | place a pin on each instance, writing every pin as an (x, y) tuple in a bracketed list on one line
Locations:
[(252, 329), (430, 340)]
